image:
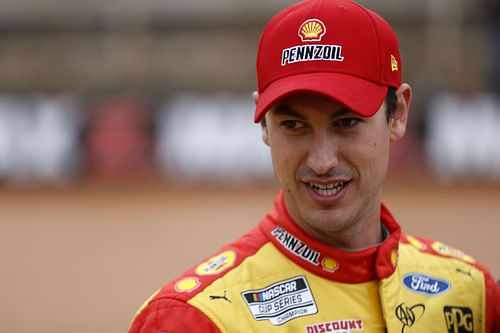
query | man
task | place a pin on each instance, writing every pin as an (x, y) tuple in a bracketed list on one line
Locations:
[(329, 257)]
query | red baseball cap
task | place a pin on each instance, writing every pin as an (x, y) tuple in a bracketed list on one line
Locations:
[(337, 48)]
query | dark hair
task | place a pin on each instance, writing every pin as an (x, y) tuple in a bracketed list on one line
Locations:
[(391, 102)]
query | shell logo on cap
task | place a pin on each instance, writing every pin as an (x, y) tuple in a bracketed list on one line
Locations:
[(312, 30)]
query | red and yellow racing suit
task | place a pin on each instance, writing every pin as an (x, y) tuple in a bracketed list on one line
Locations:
[(276, 278)]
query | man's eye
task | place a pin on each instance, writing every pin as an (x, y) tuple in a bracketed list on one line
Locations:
[(292, 124), (347, 122)]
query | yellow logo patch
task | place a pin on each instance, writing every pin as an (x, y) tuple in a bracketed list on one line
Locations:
[(187, 285), (217, 264), (329, 265), (452, 252)]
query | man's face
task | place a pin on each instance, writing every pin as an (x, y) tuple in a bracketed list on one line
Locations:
[(330, 163)]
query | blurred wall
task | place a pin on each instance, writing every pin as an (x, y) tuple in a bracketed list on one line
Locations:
[(149, 53)]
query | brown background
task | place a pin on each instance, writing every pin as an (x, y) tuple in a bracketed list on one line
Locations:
[(84, 259)]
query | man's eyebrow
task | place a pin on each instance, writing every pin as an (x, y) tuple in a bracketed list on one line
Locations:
[(344, 111), (285, 110)]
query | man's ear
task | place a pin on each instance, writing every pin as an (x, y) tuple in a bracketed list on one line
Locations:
[(265, 132), (400, 119), (255, 97), (263, 125)]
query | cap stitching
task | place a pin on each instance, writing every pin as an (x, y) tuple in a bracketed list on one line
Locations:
[(270, 24)]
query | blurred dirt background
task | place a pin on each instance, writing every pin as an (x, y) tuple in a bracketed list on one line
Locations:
[(84, 259), (158, 92)]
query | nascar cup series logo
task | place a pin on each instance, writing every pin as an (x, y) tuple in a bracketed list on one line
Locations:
[(311, 30), (281, 301)]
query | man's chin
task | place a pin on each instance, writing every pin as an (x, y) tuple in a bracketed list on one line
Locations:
[(327, 218)]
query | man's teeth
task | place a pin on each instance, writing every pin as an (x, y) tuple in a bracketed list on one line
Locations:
[(328, 189)]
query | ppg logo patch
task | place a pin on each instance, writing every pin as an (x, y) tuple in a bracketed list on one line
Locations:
[(281, 301), (458, 319)]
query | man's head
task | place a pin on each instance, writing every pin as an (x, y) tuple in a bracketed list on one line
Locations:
[(334, 47), (330, 91)]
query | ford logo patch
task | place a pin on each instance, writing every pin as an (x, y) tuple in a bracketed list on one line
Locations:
[(425, 284)]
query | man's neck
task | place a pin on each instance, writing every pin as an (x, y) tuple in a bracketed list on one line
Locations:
[(356, 238)]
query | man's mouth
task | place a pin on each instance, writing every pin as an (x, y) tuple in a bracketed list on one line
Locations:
[(327, 189)]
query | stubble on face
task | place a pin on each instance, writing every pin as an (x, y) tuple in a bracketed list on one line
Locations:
[(362, 163)]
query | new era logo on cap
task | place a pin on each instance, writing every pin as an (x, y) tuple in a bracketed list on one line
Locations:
[(343, 50), (394, 64)]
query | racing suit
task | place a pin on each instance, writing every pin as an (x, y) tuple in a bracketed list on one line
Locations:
[(276, 278)]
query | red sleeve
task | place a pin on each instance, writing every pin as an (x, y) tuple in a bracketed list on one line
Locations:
[(492, 303), (495, 304), (172, 316)]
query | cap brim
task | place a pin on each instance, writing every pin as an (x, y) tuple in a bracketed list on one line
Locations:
[(361, 96)]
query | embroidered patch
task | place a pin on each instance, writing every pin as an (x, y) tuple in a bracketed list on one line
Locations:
[(452, 252), (458, 319), (296, 246), (281, 301), (336, 326), (425, 284), (217, 264), (312, 30), (394, 64), (187, 285), (329, 265), (301, 53)]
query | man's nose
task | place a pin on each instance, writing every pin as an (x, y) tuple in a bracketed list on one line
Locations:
[(323, 155)]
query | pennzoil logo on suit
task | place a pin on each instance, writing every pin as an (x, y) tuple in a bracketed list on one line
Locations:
[(296, 246), (302, 250)]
